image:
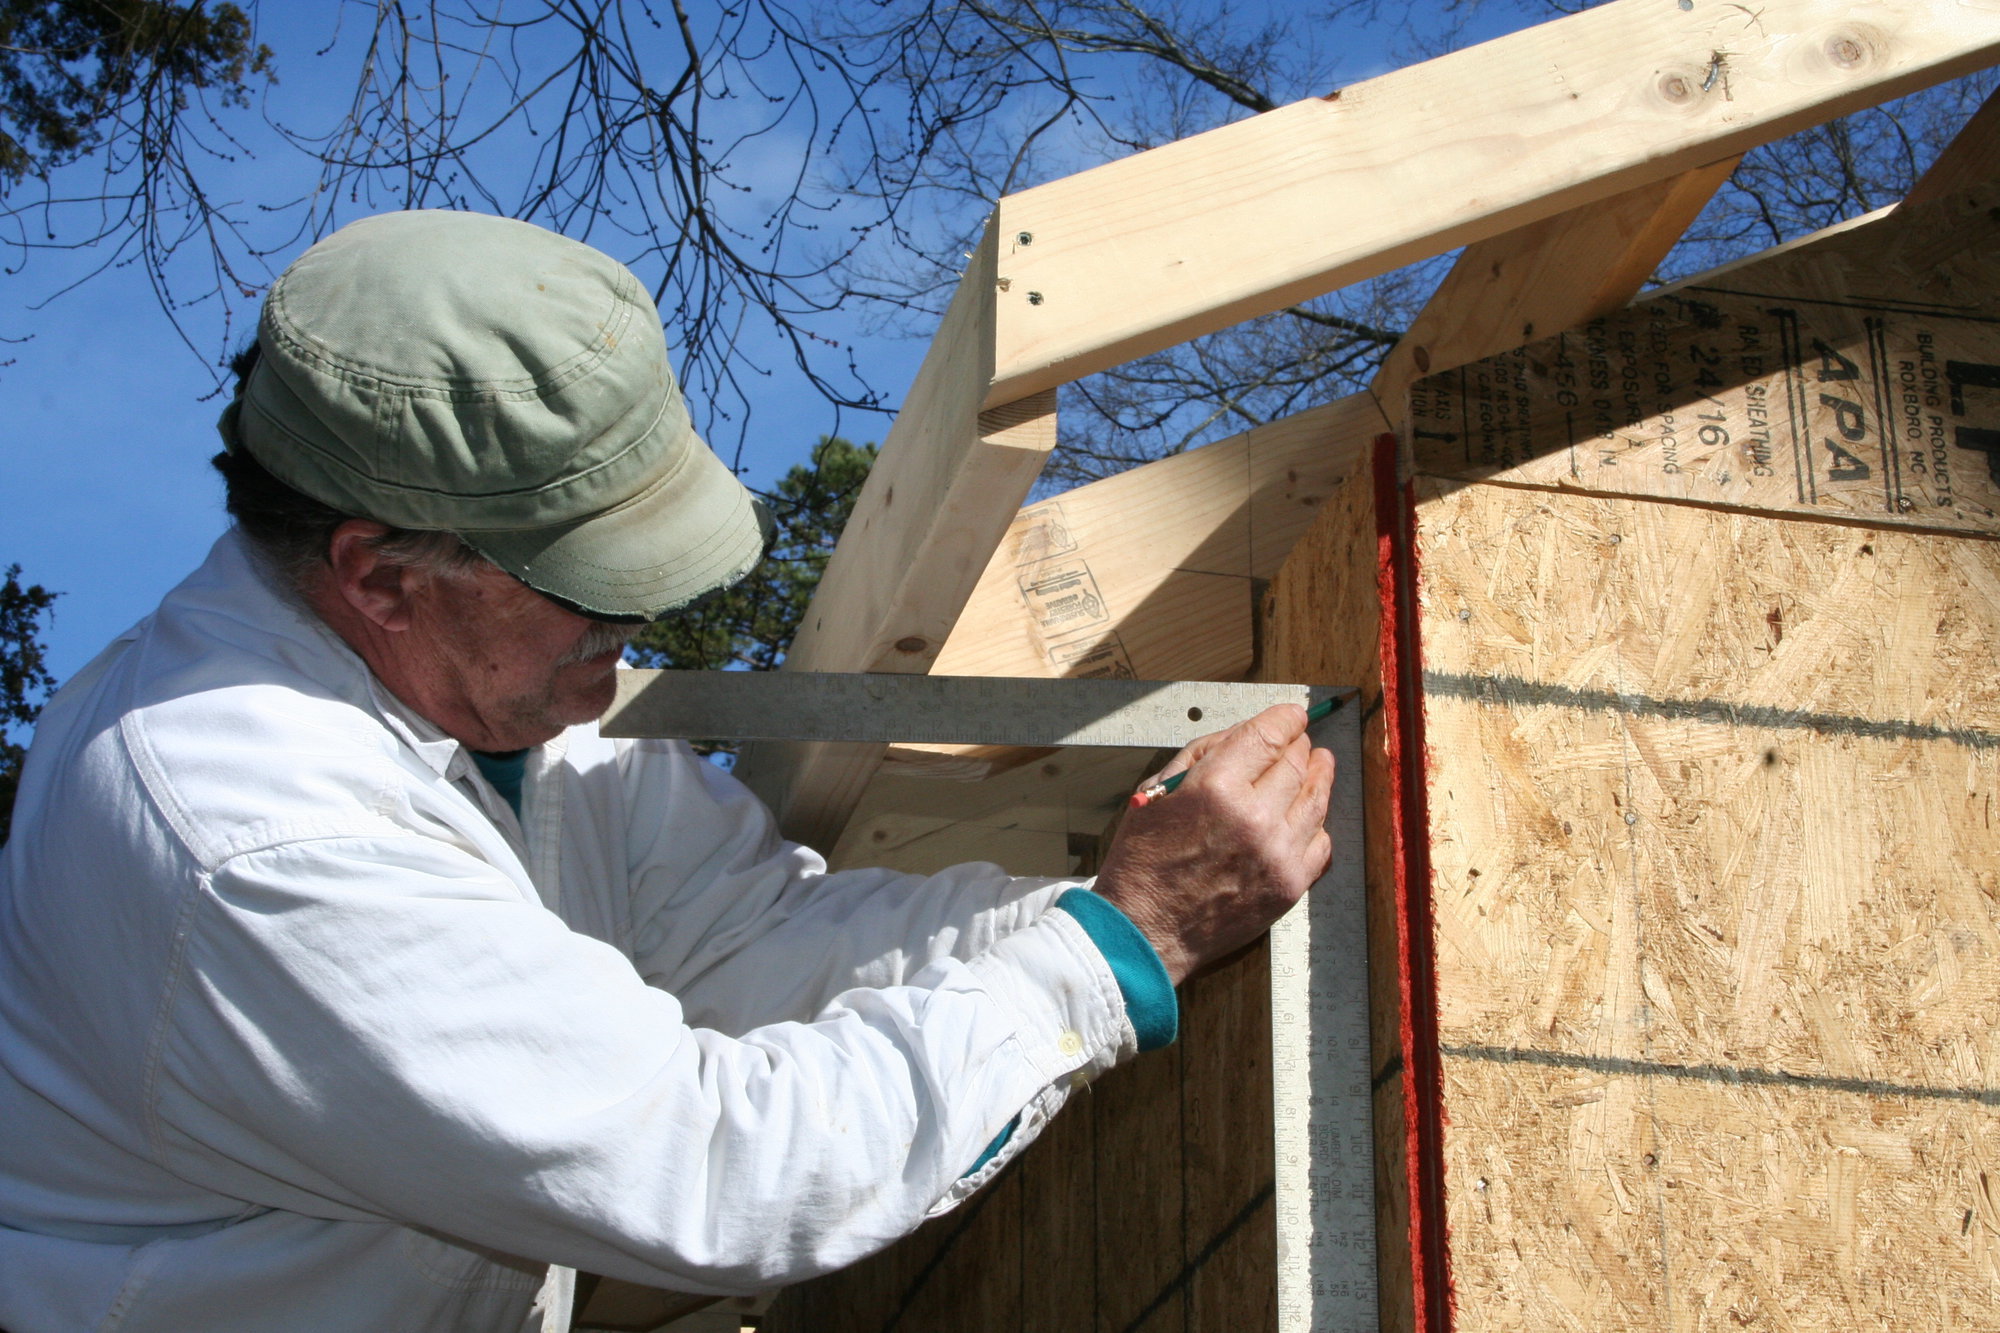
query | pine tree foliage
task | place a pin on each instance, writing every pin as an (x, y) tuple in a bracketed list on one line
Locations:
[(749, 625), (76, 74), (25, 681)]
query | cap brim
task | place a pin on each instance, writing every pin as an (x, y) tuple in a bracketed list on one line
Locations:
[(693, 531)]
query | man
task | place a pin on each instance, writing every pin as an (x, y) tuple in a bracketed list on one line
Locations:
[(349, 979)]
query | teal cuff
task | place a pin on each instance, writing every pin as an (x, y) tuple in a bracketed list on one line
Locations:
[(1142, 979), (1150, 1001)]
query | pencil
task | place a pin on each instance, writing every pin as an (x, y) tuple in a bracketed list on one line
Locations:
[(1147, 795)]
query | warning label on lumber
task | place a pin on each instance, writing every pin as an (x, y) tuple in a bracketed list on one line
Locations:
[(1861, 409)]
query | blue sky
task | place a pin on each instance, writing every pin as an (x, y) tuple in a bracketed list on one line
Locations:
[(105, 492)]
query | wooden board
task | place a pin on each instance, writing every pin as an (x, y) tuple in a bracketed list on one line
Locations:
[(1113, 263), (950, 475), (1073, 587), (1857, 377), (1717, 929), (1145, 1205), (1552, 274), (1037, 818), (1148, 575), (1971, 159)]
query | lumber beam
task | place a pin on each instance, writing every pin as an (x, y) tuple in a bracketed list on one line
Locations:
[(1151, 574), (1549, 275), (949, 478), (1059, 596), (1137, 255), (1971, 158)]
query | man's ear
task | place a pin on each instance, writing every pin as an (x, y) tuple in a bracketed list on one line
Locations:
[(378, 589)]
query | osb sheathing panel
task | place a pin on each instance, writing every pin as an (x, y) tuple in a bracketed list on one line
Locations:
[(1856, 377), (1717, 898)]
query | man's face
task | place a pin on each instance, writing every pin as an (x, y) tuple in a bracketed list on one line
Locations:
[(500, 667)]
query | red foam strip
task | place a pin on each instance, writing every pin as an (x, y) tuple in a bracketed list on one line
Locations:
[(1409, 821)]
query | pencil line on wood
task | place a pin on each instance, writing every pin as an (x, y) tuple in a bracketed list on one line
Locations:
[(1529, 693), (1208, 1251), (1727, 1074)]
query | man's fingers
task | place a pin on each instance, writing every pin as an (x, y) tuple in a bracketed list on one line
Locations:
[(1287, 769), (1309, 802), (1247, 750)]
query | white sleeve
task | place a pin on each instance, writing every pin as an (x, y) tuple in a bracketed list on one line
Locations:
[(385, 1028), (746, 929)]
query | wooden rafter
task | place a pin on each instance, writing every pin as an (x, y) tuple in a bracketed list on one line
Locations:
[(1168, 552), (1971, 157), (1550, 274), (1193, 236)]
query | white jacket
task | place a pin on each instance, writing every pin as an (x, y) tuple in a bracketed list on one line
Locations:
[(301, 1029)]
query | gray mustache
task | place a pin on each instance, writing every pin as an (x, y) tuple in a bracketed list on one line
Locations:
[(596, 641)]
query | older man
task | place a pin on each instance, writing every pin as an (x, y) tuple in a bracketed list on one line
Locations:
[(349, 980)]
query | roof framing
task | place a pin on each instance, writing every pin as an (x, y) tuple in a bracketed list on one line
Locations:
[(1622, 106)]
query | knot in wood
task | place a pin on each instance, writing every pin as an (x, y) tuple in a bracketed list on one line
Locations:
[(1845, 50), (912, 644)]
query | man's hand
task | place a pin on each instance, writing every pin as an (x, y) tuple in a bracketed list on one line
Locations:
[(1205, 870)]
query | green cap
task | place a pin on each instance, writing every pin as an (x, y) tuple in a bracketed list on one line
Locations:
[(455, 371)]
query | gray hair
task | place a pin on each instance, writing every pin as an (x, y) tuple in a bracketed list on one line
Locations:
[(290, 531)]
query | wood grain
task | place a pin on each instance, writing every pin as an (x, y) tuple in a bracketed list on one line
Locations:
[(1717, 930), (1971, 159), (1193, 236), (1549, 275)]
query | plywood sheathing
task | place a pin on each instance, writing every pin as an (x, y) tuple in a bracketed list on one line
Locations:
[(1707, 762), (1855, 378), (1717, 945)]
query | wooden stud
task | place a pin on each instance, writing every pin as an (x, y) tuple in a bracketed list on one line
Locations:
[(1134, 256), (949, 478)]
